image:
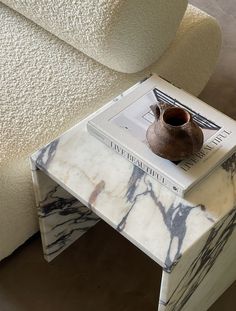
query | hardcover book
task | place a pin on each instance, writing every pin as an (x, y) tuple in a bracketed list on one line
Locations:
[(123, 125)]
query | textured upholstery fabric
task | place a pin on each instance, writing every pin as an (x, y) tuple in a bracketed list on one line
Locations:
[(47, 86), (125, 35), (18, 220)]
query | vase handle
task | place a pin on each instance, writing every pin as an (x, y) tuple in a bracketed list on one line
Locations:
[(163, 106), (156, 111)]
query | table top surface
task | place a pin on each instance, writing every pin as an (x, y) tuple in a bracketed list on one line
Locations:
[(161, 224)]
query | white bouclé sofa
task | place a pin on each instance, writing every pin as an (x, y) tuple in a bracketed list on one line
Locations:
[(61, 60)]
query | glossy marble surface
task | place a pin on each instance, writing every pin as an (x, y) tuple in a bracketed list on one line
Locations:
[(62, 218), (130, 201), (205, 272), (197, 230)]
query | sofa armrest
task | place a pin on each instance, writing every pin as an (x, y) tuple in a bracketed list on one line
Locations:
[(125, 35)]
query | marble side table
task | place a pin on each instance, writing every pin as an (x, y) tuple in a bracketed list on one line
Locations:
[(78, 180)]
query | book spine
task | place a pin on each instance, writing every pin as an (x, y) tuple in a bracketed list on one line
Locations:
[(137, 161)]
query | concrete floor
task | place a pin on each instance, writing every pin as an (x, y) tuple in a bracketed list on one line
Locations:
[(103, 271), (220, 92)]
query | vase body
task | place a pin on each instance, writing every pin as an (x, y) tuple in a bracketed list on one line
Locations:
[(174, 135)]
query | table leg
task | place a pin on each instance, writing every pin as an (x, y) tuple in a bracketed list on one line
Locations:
[(62, 218), (204, 272)]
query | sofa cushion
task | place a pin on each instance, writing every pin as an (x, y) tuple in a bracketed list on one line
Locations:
[(125, 35), (18, 220)]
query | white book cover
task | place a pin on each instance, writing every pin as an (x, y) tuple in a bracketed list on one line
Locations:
[(123, 125)]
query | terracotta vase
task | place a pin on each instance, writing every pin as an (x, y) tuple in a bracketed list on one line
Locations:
[(174, 135)]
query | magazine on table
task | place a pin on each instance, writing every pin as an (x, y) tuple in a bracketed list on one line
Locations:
[(123, 125)]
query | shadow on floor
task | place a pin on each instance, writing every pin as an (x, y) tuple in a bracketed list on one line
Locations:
[(101, 271)]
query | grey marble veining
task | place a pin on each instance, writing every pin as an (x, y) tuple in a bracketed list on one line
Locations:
[(62, 218), (196, 269), (187, 237)]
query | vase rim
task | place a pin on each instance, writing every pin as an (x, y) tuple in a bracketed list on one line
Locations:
[(176, 117)]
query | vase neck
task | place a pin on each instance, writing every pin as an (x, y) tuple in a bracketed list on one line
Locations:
[(175, 118)]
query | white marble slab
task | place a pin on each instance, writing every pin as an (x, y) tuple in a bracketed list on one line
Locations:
[(204, 272), (62, 218), (187, 237)]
